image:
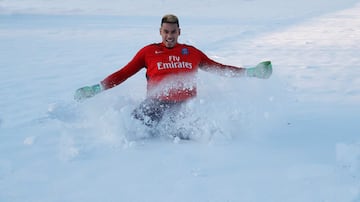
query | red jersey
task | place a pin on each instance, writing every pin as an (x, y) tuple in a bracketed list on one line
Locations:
[(170, 72)]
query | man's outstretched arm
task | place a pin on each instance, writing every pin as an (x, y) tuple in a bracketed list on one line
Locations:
[(263, 70), (116, 78)]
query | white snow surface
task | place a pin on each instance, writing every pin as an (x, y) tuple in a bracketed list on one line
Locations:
[(291, 138)]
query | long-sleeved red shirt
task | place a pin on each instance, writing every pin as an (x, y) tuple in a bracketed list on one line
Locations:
[(170, 72)]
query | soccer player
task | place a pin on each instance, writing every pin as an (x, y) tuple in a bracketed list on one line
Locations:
[(171, 70)]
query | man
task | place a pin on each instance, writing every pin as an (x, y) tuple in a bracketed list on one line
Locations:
[(171, 70)]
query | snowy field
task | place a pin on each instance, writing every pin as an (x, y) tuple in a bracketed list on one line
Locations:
[(292, 138)]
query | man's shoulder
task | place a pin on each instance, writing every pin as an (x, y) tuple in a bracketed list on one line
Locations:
[(153, 45), (188, 46), (149, 48)]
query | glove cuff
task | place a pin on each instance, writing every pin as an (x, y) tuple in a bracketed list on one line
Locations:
[(97, 88), (250, 72)]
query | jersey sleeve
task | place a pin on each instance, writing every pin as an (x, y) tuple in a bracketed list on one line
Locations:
[(135, 65), (210, 65)]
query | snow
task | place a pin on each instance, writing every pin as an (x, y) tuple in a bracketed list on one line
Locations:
[(291, 138)]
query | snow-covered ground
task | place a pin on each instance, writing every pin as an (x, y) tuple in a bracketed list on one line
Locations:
[(293, 138)]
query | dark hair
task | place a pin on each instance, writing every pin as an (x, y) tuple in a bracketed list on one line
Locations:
[(169, 18)]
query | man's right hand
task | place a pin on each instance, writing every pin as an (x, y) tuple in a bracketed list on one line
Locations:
[(87, 92), (263, 70)]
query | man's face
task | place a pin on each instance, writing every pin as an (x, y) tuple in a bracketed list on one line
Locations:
[(169, 33)]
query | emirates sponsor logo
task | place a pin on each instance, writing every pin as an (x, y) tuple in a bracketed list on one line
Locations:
[(174, 63)]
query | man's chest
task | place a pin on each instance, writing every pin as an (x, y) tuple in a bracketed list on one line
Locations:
[(165, 61)]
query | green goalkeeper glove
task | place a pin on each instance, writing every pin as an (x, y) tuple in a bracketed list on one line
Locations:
[(87, 92), (263, 70)]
